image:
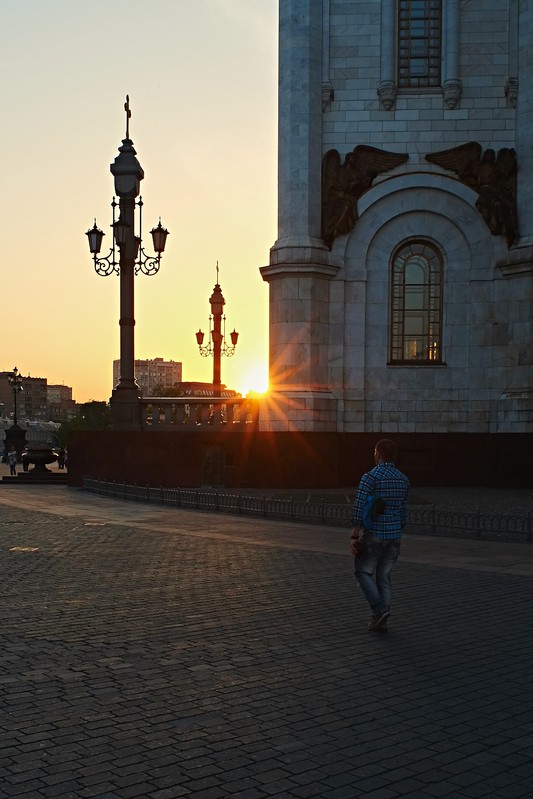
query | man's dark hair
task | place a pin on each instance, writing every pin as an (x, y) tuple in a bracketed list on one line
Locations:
[(386, 449)]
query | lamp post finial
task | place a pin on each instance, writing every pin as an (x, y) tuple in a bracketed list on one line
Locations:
[(128, 115)]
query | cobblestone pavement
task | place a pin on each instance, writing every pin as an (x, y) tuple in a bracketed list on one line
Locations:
[(159, 654)]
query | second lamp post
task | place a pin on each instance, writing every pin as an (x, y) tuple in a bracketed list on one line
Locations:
[(217, 345)]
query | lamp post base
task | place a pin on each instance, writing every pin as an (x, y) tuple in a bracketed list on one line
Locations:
[(125, 409), (15, 437)]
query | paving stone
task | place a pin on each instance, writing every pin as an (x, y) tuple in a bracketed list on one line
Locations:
[(62, 790), (311, 790), (515, 791)]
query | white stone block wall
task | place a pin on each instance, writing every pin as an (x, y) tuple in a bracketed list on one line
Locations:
[(487, 320), (419, 123), (485, 323)]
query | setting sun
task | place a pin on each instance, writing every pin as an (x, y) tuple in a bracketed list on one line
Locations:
[(255, 380)]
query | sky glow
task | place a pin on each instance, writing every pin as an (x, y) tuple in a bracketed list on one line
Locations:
[(202, 80)]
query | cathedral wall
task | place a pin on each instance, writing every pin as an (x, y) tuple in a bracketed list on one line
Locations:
[(336, 363), (418, 123)]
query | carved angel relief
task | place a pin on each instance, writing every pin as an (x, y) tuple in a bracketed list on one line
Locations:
[(343, 183), (493, 177)]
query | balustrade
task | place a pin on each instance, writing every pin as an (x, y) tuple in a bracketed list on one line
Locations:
[(198, 413)]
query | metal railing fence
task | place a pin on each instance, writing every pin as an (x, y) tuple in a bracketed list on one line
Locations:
[(428, 520)]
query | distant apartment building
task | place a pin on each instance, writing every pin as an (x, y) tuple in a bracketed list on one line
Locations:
[(34, 404), (31, 401), (6, 395), (61, 406), (152, 375), (57, 394)]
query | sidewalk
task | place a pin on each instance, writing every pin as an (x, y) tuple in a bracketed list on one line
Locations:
[(155, 653)]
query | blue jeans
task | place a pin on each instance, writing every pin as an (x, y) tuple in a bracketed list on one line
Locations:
[(373, 570)]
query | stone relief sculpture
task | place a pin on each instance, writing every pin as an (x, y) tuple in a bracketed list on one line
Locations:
[(451, 91), (493, 177), (387, 91), (344, 183), (511, 92), (328, 94)]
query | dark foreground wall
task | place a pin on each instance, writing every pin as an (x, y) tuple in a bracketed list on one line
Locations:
[(295, 460)]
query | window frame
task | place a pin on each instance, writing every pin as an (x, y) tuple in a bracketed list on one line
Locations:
[(411, 252), (431, 77)]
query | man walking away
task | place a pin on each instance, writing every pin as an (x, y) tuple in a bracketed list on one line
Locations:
[(376, 544)]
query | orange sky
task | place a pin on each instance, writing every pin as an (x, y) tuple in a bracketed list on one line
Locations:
[(202, 81)]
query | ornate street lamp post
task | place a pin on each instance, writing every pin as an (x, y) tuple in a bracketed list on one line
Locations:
[(15, 381), (15, 435), (217, 345), (128, 174)]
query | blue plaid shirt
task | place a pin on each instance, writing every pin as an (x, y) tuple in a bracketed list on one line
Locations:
[(392, 486)]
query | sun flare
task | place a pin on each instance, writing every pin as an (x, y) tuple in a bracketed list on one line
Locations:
[(255, 381)]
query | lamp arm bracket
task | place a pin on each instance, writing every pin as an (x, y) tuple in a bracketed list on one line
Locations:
[(106, 266), (147, 264)]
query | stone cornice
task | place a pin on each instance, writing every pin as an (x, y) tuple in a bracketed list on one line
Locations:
[(298, 269), (518, 262), (298, 256)]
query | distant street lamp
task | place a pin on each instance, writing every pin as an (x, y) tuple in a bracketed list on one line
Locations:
[(132, 259), (15, 381), (15, 436), (217, 345)]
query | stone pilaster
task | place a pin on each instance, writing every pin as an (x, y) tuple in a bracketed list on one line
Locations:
[(524, 126), (299, 272)]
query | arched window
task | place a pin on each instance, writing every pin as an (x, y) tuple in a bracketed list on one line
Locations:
[(416, 304), (419, 43)]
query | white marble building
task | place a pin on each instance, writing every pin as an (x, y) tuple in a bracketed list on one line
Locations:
[(393, 307)]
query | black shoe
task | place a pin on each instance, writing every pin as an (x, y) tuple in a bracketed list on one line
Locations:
[(378, 620)]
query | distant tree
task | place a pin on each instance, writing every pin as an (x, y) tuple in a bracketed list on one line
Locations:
[(166, 391), (91, 415)]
